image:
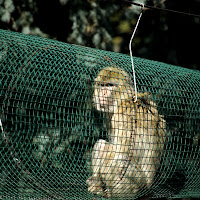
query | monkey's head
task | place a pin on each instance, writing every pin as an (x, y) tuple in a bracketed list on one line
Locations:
[(111, 85)]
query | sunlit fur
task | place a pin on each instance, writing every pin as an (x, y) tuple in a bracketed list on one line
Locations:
[(128, 161)]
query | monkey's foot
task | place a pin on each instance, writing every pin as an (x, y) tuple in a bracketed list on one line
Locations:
[(94, 185)]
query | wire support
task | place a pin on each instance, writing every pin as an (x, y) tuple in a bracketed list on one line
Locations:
[(162, 9)]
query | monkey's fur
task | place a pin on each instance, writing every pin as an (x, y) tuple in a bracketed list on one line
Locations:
[(128, 162)]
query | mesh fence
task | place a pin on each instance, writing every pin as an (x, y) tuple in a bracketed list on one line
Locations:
[(51, 128)]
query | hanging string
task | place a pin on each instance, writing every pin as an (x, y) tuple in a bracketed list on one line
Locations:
[(130, 49)]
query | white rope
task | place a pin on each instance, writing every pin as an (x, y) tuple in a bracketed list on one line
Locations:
[(2, 129), (130, 44), (1, 125), (4, 135)]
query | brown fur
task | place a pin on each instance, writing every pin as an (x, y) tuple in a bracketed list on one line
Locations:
[(129, 160)]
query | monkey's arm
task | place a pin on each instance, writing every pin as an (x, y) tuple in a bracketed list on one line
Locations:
[(95, 183)]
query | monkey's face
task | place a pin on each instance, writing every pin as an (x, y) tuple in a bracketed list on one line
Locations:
[(104, 97)]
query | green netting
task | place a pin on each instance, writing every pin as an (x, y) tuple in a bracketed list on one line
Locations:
[(50, 124)]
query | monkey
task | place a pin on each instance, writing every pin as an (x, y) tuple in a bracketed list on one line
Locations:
[(127, 163)]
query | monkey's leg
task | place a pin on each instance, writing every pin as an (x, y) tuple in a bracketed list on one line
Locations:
[(144, 155), (146, 164), (149, 172), (132, 180)]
